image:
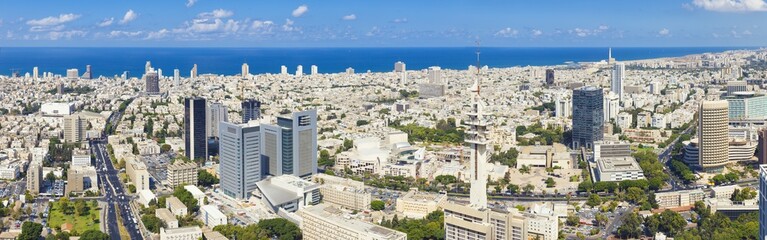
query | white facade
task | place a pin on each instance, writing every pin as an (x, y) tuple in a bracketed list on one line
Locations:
[(616, 85), (57, 109), (196, 193), (611, 106), (185, 233), (81, 159), (211, 216)]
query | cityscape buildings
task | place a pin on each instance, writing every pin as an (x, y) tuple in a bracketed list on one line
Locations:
[(251, 110), (240, 158), (713, 135), (588, 120), (152, 82), (616, 85), (195, 132)]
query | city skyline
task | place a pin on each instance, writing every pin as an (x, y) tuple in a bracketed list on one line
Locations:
[(201, 23)]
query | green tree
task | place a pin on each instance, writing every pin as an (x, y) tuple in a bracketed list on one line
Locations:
[(30, 231), (280, 228), (631, 227), (152, 223), (550, 183), (205, 179), (377, 205), (594, 200), (572, 220), (165, 148), (50, 177), (93, 235), (186, 197), (635, 195), (324, 159)]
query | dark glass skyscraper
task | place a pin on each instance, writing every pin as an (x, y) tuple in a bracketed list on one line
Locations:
[(152, 83), (195, 140), (549, 77), (587, 116), (251, 110)]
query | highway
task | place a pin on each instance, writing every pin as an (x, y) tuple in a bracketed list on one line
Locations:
[(114, 194)]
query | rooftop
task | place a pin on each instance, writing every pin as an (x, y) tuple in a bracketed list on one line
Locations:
[(335, 216), (618, 164)]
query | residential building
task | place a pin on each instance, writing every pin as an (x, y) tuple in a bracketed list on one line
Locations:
[(549, 77), (176, 206), (245, 71), (251, 110), (145, 197), (34, 177), (587, 116), (138, 173), (196, 193), (215, 113), (563, 107), (182, 173), (211, 216), (74, 128), (240, 158), (287, 192), (611, 107), (416, 204), (195, 140), (616, 85), (166, 217), (322, 222), (152, 83), (185, 233), (679, 198), (713, 135), (723, 192)]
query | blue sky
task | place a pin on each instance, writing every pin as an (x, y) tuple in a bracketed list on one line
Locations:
[(392, 23)]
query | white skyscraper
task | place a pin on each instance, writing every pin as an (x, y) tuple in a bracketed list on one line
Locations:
[(616, 85), (435, 75), (215, 113), (399, 67), (193, 73), (176, 77), (610, 106), (563, 107), (245, 70), (283, 70), (476, 137), (34, 73), (148, 67), (299, 71), (314, 70), (240, 158)]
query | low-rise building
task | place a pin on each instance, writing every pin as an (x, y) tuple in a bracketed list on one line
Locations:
[(679, 198), (185, 233), (324, 222), (616, 169), (288, 192), (344, 192), (167, 217), (196, 193), (211, 216), (723, 192), (416, 204), (555, 155), (176, 206), (181, 173), (146, 196), (138, 173), (81, 158)]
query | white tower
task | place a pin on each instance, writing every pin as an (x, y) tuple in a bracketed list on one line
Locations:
[(299, 71), (176, 77), (476, 137), (245, 71), (616, 85), (314, 70)]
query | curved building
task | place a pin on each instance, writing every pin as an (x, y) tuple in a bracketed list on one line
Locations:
[(713, 135), (739, 150)]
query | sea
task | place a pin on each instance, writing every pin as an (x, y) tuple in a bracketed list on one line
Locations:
[(115, 61)]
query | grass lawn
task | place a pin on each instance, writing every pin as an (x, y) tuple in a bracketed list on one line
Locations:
[(81, 223)]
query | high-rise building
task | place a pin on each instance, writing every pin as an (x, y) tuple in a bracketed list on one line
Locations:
[(35, 73), (299, 70), (215, 113), (616, 85), (736, 86), (195, 140), (314, 70), (148, 67), (34, 177), (399, 67), (563, 107), (284, 70), (761, 151), (72, 74), (152, 82), (611, 106), (88, 74), (240, 158), (251, 110), (549, 77), (176, 77), (762, 201), (477, 139), (350, 71), (588, 122), (713, 135), (193, 73), (435, 75), (747, 106), (245, 70), (290, 147), (655, 88), (74, 128)]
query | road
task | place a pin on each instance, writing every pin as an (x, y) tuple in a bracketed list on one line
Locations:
[(114, 194), (616, 221), (665, 156)]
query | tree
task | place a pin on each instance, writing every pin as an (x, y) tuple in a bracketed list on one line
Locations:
[(550, 183), (528, 188), (50, 177), (205, 179), (81, 209), (377, 205), (324, 159), (635, 195), (152, 223), (631, 227), (600, 219), (30, 231), (186, 197), (93, 235), (280, 228), (572, 220), (594, 200), (165, 148)]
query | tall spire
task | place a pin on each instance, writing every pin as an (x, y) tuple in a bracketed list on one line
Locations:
[(477, 140)]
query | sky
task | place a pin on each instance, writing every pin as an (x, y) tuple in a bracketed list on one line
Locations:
[(390, 23)]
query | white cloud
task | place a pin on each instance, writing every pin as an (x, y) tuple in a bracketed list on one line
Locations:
[(604, 27), (536, 32), (115, 34), (157, 34), (53, 20), (373, 31), (507, 32), (731, 5), (300, 10), (190, 3), (664, 32), (349, 17), (580, 32), (218, 13), (46, 28), (261, 25), (65, 34), (130, 15), (288, 26), (106, 22), (399, 20)]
